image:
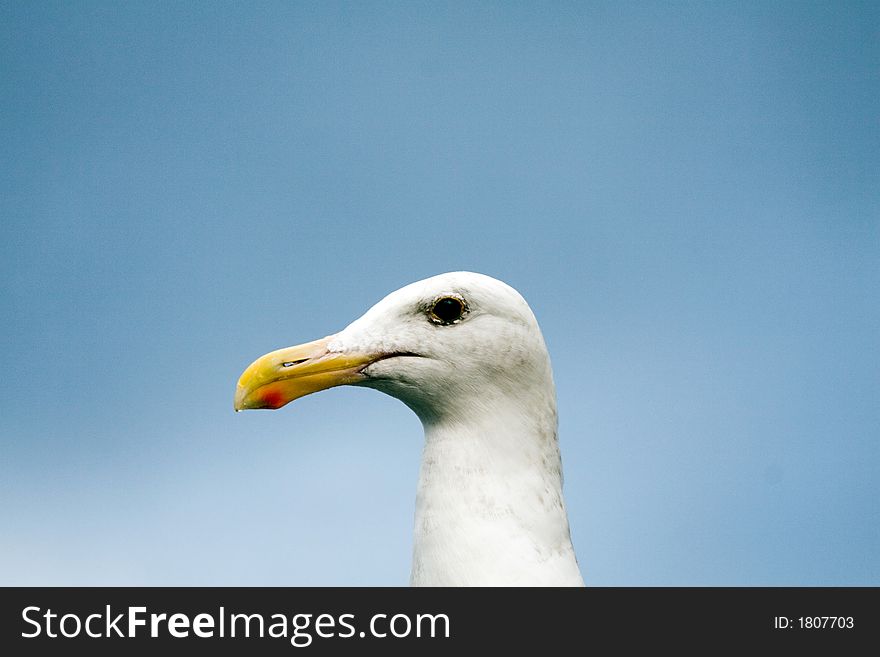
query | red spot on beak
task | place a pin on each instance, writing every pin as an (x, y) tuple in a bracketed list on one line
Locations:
[(273, 398)]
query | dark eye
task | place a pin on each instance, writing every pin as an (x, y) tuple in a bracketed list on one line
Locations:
[(447, 310)]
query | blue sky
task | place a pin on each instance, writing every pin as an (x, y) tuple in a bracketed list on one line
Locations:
[(686, 193)]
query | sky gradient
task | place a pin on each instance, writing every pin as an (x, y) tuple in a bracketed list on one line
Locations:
[(687, 194)]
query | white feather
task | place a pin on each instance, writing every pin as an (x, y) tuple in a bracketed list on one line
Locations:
[(489, 506)]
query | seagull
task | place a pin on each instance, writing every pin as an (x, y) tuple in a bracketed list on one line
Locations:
[(465, 353)]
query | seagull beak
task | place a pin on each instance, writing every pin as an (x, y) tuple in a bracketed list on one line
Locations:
[(281, 376)]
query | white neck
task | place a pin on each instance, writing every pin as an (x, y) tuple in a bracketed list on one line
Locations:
[(489, 507)]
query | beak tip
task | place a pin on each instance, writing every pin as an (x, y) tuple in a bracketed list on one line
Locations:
[(238, 404)]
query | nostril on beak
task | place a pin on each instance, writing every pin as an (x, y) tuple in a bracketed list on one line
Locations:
[(291, 363)]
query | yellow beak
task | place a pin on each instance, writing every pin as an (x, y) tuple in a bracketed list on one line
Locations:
[(281, 376)]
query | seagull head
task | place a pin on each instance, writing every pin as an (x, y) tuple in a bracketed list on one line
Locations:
[(439, 345)]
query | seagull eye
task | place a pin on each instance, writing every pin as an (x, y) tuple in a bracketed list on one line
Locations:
[(447, 310)]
